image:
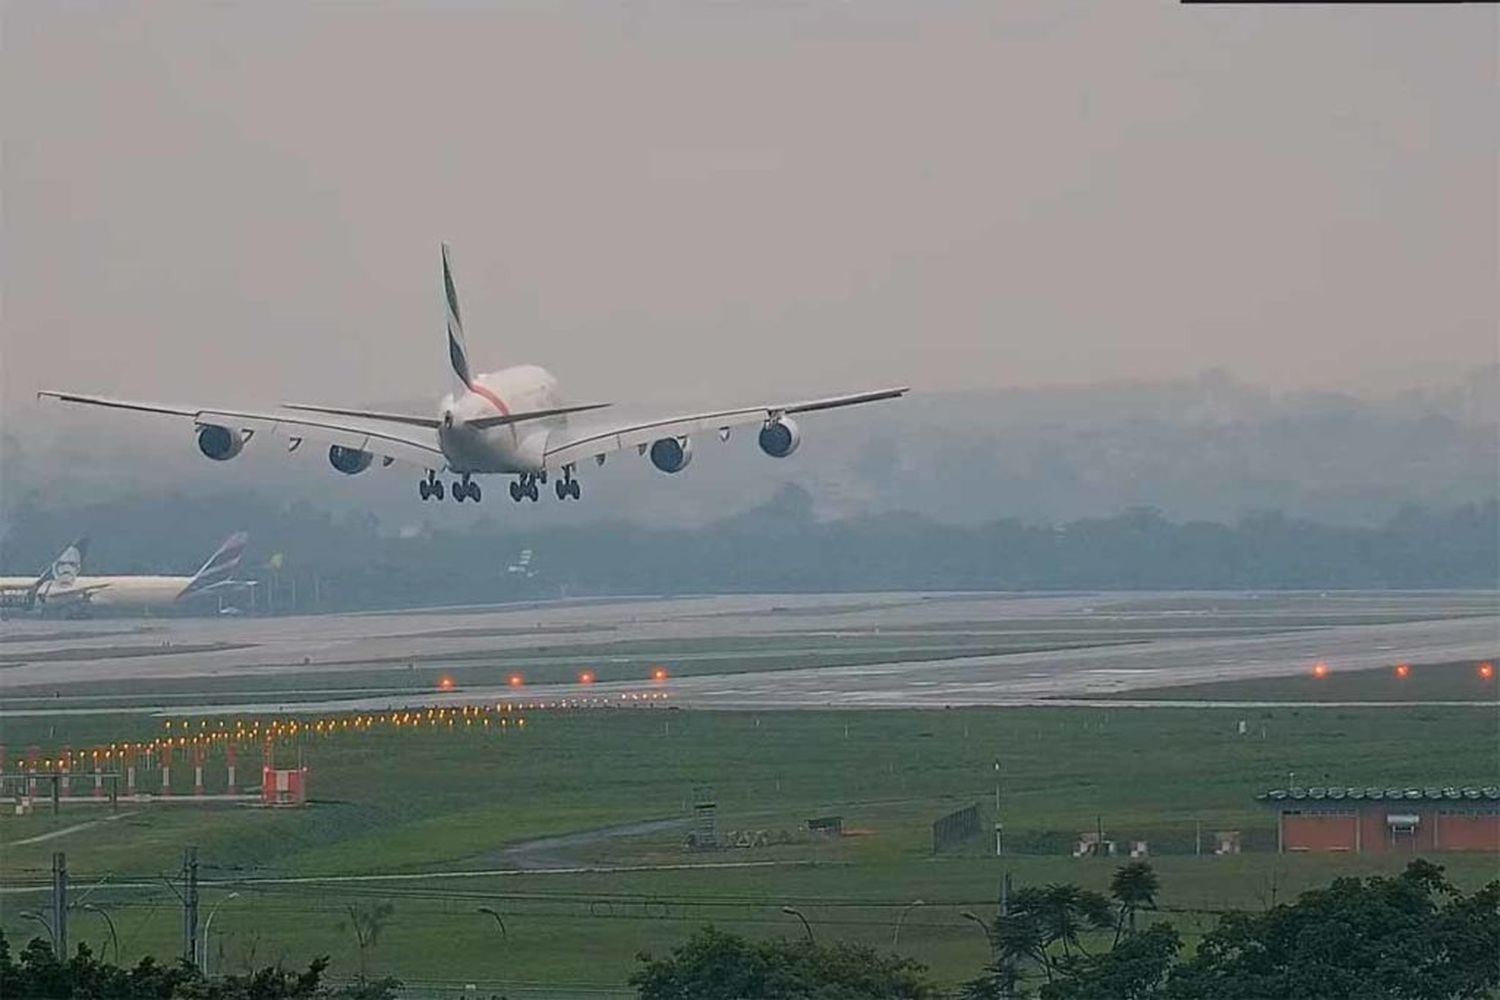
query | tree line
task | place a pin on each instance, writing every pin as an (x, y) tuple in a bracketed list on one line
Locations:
[(307, 559), (1412, 936)]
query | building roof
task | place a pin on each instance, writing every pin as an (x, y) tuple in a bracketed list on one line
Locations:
[(1431, 793)]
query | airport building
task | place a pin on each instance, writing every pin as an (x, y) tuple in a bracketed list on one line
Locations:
[(1385, 820)]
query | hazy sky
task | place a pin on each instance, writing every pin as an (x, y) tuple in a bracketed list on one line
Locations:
[(243, 202)]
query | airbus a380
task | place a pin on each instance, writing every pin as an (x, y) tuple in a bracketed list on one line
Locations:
[(510, 422)]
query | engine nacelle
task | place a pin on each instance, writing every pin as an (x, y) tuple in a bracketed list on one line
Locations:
[(220, 443), (672, 454), (779, 438), (349, 461)]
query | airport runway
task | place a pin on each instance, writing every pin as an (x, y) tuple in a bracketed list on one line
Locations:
[(1270, 636)]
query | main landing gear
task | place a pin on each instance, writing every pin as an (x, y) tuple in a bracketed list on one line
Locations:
[(432, 488), (567, 486)]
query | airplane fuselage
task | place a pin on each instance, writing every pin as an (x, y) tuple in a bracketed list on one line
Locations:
[(512, 448)]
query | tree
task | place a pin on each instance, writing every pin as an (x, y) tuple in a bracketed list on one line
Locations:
[(40, 976), (1135, 968), (715, 965), (1134, 888), (367, 923), (1411, 937)]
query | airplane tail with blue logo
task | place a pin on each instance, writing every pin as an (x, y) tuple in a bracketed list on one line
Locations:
[(219, 571)]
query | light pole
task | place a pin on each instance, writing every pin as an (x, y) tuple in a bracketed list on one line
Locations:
[(203, 958), (498, 920), (896, 934), (794, 912), (989, 937), (114, 938)]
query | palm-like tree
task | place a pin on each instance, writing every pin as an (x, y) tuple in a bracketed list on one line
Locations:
[(1134, 887)]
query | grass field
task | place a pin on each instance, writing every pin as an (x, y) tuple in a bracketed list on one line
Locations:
[(461, 800)]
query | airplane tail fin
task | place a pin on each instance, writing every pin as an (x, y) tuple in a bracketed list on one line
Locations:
[(66, 567), (220, 568), (458, 355)]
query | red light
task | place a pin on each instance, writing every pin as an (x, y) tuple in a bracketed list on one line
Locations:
[(1487, 671), (587, 677), (515, 680), (1403, 670), (446, 684), (1320, 670), (659, 674)]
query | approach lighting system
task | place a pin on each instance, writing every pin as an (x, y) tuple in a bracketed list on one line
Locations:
[(1320, 670), (1403, 670)]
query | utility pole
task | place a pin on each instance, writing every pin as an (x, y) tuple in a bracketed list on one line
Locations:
[(190, 905), (60, 905)]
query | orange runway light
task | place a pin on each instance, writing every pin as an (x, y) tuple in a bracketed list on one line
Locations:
[(587, 677), (659, 674), (1320, 670), (1487, 671), (446, 684), (1403, 670), (515, 680)]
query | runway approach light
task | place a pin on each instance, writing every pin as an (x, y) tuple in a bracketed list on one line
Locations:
[(1487, 671), (515, 680), (1403, 670), (1320, 670), (446, 684), (659, 674), (587, 677)]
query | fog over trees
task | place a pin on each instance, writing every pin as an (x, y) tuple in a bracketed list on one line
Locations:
[(1205, 483)]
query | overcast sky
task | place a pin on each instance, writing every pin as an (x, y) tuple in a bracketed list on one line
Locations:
[(243, 202)]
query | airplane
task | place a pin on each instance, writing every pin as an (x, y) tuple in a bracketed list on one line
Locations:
[(61, 588), (509, 422)]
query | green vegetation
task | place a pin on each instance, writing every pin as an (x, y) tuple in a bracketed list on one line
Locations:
[(409, 804)]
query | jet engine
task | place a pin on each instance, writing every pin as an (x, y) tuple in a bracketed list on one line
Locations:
[(672, 454), (779, 438), (220, 443), (349, 461)]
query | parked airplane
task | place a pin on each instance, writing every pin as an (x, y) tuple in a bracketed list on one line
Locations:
[(513, 422), (62, 588)]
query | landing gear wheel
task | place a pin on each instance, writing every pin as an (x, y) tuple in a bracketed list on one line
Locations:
[(560, 487), (575, 489), (474, 493), (437, 489), (515, 490), (532, 492), (459, 491), (423, 489)]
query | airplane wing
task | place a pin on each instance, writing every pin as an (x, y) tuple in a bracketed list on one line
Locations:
[(408, 440), (569, 446)]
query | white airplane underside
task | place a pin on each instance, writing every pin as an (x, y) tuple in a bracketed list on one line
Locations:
[(511, 422)]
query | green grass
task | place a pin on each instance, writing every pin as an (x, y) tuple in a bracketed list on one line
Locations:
[(392, 802), (1423, 682)]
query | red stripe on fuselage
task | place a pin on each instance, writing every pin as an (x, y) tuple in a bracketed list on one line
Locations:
[(487, 394)]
